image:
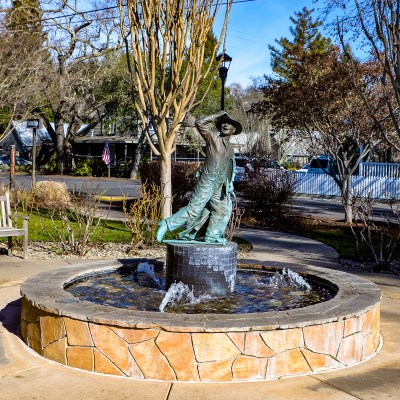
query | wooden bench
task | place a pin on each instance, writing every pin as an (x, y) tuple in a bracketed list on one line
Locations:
[(6, 228)]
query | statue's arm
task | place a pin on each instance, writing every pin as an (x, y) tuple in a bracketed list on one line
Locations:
[(206, 124)]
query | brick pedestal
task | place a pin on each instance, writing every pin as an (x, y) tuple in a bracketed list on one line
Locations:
[(208, 268)]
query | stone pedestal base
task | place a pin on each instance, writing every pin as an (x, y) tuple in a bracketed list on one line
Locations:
[(208, 268)]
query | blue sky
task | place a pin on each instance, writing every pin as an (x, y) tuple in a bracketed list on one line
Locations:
[(252, 27)]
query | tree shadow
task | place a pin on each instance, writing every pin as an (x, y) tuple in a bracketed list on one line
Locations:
[(385, 380)]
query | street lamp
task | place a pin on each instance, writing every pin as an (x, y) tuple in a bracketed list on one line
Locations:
[(223, 73), (34, 124)]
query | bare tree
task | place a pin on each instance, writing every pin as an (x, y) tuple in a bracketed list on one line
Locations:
[(374, 26), (77, 40), (20, 61), (167, 47)]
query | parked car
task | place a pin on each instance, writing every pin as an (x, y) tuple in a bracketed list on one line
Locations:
[(267, 163), (321, 165), (318, 165), (19, 161), (243, 166), (6, 159)]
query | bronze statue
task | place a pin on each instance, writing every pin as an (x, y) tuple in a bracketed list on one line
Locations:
[(211, 199)]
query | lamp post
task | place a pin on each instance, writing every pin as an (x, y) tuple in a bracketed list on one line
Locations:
[(223, 73), (34, 124)]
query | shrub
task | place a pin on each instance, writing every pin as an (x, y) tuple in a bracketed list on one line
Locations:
[(376, 237), (269, 192), (142, 216), (123, 169), (50, 194), (73, 228), (83, 168), (4, 168), (234, 221), (183, 177), (50, 167)]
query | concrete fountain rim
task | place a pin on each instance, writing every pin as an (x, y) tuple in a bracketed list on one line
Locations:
[(46, 292)]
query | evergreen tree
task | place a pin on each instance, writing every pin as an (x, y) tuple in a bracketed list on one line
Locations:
[(307, 42)]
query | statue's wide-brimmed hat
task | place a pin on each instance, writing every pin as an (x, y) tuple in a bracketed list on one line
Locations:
[(231, 121)]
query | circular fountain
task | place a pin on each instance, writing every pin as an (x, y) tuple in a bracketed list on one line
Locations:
[(202, 347)]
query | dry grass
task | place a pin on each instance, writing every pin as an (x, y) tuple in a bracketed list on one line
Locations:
[(49, 194)]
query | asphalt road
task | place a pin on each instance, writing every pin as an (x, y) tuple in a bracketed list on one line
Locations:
[(117, 188), (332, 208)]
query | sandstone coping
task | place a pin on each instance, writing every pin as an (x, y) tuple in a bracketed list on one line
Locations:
[(354, 297)]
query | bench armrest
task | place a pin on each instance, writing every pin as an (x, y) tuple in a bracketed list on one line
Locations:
[(24, 217)]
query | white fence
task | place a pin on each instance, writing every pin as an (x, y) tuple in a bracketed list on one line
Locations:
[(387, 170), (377, 187)]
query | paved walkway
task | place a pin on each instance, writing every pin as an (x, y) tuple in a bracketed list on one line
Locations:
[(25, 375)]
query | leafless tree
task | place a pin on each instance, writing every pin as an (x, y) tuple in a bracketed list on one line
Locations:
[(20, 62), (77, 40), (374, 26), (166, 41)]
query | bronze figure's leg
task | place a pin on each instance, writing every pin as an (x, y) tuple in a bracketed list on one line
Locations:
[(221, 208)]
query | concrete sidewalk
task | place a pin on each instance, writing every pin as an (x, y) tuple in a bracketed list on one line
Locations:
[(25, 375)]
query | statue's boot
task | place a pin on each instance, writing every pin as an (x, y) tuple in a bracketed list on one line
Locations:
[(161, 231), (219, 240)]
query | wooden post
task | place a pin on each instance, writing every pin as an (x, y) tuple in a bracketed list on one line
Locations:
[(12, 167), (33, 156)]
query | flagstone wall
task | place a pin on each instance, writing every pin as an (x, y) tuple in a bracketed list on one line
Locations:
[(209, 348), (149, 353)]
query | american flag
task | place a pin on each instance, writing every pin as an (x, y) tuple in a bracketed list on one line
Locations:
[(106, 157)]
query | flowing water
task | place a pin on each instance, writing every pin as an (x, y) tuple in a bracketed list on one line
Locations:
[(143, 288)]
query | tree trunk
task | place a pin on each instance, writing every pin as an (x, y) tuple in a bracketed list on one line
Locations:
[(166, 186), (141, 147), (60, 139), (348, 212), (68, 155), (347, 198)]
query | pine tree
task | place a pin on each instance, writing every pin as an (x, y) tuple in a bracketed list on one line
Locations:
[(307, 42)]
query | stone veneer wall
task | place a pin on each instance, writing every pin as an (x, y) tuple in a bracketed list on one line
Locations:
[(148, 351)]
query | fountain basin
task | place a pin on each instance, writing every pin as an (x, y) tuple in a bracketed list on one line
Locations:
[(338, 333)]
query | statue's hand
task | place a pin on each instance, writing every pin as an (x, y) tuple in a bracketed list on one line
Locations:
[(220, 114)]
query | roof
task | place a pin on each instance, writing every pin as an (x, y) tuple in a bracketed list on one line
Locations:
[(25, 134), (102, 139)]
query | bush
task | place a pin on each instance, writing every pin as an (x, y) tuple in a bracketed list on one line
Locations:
[(183, 176), (377, 237), (50, 167), (269, 192), (83, 168), (142, 217), (90, 167), (73, 228), (4, 168), (123, 169), (50, 194)]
